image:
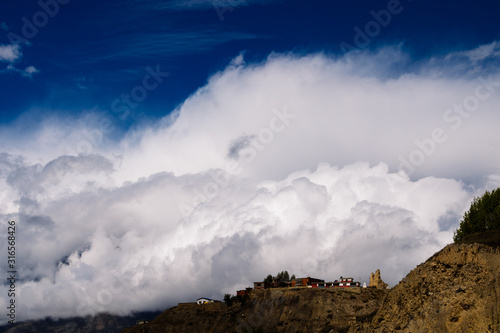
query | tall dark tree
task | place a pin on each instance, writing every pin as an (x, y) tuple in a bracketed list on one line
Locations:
[(282, 276), (483, 216)]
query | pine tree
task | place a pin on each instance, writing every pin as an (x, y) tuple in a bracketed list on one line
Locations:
[(483, 216)]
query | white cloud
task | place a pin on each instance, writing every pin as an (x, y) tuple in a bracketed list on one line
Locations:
[(10, 53), (27, 72), (480, 53), (473, 62), (342, 115), (134, 239), (315, 144), (30, 70)]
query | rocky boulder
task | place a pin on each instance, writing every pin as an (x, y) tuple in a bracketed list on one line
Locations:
[(376, 280)]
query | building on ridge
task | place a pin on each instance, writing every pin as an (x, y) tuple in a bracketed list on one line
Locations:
[(205, 300), (346, 283)]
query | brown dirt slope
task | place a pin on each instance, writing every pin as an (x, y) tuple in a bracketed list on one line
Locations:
[(456, 290), (276, 310)]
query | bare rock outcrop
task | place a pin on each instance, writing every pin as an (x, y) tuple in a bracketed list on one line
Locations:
[(376, 280)]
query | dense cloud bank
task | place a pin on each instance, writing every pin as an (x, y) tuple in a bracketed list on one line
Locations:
[(324, 166)]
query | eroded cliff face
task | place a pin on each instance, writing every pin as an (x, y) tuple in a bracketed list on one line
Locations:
[(456, 290), (312, 310)]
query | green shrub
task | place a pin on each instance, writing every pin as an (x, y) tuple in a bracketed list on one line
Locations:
[(483, 216)]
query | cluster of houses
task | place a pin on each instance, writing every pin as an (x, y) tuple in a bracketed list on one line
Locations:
[(308, 282)]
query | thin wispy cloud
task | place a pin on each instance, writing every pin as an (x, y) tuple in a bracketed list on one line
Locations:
[(143, 47), (205, 4), (27, 72), (470, 63), (482, 52)]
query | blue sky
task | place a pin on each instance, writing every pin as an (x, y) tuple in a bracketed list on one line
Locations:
[(91, 52), (211, 143)]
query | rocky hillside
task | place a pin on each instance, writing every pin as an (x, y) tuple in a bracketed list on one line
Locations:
[(456, 290), (276, 310)]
